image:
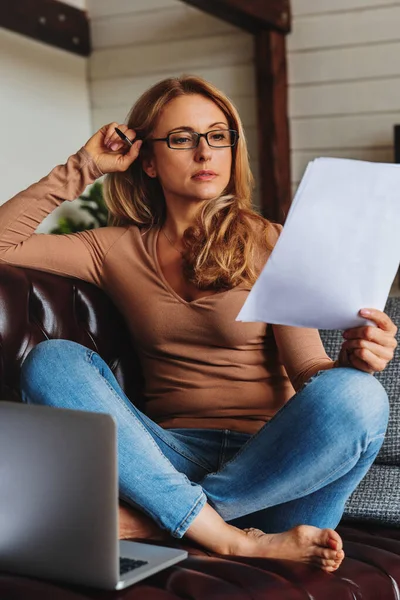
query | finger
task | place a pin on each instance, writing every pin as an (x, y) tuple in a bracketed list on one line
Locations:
[(359, 364), (374, 362), (130, 134), (128, 158), (367, 360), (113, 137), (119, 142), (372, 334), (115, 146), (110, 130), (380, 318), (381, 351)]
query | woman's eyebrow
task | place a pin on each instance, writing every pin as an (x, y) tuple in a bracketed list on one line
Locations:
[(188, 128)]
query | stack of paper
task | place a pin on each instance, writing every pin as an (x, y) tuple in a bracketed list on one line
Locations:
[(338, 252)]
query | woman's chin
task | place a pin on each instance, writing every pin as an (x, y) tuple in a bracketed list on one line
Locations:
[(206, 191)]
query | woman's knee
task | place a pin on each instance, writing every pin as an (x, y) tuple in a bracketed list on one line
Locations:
[(47, 358), (356, 397)]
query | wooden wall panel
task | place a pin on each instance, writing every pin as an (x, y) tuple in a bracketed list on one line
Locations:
[(311, 7), (131, 61), (168, 24), (235, 80), (347, 28), (344, 132), (344, 98), (344, 64), (108, 8)]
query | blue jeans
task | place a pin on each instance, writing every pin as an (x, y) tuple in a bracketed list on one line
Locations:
[(299, 468)]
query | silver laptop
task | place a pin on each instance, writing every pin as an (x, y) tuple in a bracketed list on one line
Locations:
[(59, 500)]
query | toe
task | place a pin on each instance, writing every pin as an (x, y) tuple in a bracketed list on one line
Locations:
[(325, 564), (325, 553), (331, 539), (340, 555), (330, 569)]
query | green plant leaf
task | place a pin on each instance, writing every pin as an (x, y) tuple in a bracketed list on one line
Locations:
[(92, 203)]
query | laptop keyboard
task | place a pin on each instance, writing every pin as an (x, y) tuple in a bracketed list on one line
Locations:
[(128, 564)]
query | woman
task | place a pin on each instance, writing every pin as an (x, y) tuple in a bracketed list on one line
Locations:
[(247, 425)]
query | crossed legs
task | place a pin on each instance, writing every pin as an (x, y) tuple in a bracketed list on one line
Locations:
[(300, 467)]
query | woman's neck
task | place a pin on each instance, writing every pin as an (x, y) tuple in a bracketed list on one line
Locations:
[(177, 221)]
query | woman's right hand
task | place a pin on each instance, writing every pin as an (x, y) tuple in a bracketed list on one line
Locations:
[(109, 152)]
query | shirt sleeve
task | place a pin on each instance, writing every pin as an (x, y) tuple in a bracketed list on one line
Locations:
[(78, 255), (301, 352)]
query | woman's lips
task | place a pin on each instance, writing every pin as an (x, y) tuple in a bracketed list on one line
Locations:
[(205, 177)]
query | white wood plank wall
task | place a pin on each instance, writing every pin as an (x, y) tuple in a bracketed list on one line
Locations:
[(139, 42), (344, 80)]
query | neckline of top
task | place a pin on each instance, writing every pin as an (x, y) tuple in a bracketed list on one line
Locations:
[(169, 288)]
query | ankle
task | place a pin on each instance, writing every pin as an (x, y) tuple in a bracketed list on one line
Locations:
[(237, 542), (210, 530)]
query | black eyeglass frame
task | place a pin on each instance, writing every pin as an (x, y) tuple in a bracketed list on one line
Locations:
[(199, 135)]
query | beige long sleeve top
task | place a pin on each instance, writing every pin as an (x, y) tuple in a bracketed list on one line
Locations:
[(201, 367)]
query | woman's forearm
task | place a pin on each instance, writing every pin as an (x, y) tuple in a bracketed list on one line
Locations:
[(21, 215)]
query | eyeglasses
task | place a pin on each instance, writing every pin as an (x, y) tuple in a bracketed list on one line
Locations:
[(187, 140)]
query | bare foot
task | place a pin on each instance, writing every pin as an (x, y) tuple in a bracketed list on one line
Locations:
[(304, 543), (137, 525)]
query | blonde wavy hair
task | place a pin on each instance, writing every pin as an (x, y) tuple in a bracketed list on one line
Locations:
[(223, 247)]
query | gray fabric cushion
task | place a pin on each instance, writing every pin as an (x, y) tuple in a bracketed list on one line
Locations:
[(377, 497)]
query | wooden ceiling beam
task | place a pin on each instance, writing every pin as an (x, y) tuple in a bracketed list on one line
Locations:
[(48, 21), (252, 15)]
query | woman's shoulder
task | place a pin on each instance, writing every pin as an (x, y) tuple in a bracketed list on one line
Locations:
[(267, 232), (115, 231), (273, 231), (111, 235), (266, 235)]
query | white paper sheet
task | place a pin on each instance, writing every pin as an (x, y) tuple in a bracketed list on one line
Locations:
[(338, 252)]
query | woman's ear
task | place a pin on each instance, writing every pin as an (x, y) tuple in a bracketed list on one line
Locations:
[(149, 168)]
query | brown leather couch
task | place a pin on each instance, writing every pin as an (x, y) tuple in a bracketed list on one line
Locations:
[(35, 306)]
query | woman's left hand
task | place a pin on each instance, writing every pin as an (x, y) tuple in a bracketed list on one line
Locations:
[(369, 348)]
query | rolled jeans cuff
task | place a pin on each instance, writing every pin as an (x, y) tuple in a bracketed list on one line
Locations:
[(190, 517)]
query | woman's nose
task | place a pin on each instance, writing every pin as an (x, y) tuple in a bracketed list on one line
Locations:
[(203, 150)]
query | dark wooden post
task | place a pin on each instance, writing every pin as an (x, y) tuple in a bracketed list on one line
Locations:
[(273, 124)]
